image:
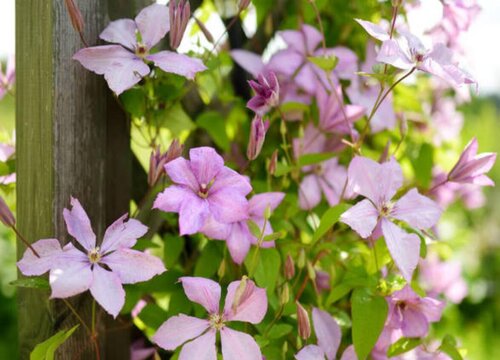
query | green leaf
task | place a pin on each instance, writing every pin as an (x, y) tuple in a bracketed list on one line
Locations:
[(175, 119), (293, 106), (215, 126), (153, 316), (134, 102), (449, 347), (312, 159), (46, 349), (208, 263), (403, 345), (267, 269), (173, 249), (279, 330), (329, 218), (32, 282), (326, 63), (274, 236), (369, 313), (254, 228), (423, 165)]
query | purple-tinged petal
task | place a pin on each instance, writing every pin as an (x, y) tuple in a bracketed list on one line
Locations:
[(78, 225), (327, 332), (215, 230), (238, 241), (310, 352), (258, 204), (31, 265), (179, 170), (6, 151), (312, 36), (202, 348), (349, 353), (414, 323), (229, 179), (178, 329), (362, 218), (122, 234), (70, 274), (205, 164), (228, 206), (432, 308), (377, 182), (192, 214), (417, 210), (179, 64), (107, 290), (252, 303), (403, 247), (286, 62), (391, 53), (374, 30), (153, 23), (121, 32), (203, 291), (249, 61), (133, 266), (309, 192), (170, 200), (238, 346)]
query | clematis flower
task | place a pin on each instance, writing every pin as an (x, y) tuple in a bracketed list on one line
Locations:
[(411, 313), (447, 122), (326, 178), (126, 63), (7, 151), (102, 269), (237, 235), (379, 183), (328, 335), (407, 52), (7, 80), (471, 168), (244, 302), (443, 277), (203, 187), (267, 93)]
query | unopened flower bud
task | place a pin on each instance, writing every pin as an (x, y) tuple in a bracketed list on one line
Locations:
[(204, 30), (385, 154), (75, 15), (273, 162), (157, 160), (6, 216), (303, 320), (285, 294), (302, 259), (180, 12), (244, 4), (289, 267), (310, 271), (257, 136)]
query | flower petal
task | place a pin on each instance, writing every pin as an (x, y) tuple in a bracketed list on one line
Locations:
[(249, 61), (414, 323), (178, 329), (309, 192), (179, 64), (252, 303), (153, 23), (31, 265), (203, 291), (391, 53), (170, 200), (349, 353), (179, 170), (202, 348), (122, 234), (327, 331), (374, 30), (417, 210), (238, 241), (238, 346), (228, 178), (228, 206), (192, 214), (121, 32), (404, 248), (133, 266), (205, 164), (258, 204), (107, 290), (215, 230), (362, 218), (78, 225), (310, 352), (71, 274)]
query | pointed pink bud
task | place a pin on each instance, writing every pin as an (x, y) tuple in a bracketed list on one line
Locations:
[(204, 30), (267, 93), (258, 131), (6, 215), (180, 12), (289, 267), (158, 160), (76, 18), (273, 162), (303, 322)]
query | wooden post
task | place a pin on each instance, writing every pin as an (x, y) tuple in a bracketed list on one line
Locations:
[(72, 140)]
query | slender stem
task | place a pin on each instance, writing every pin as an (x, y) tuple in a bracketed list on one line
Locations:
[(276, 317), (25, 242), (73, 310), (437, 186), (259, 243), (320, 24), (229, 26), (283, 136), (375, 255), (93, 317)]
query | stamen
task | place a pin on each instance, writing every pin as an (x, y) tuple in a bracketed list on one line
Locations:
[(94, 255), (216, 321)]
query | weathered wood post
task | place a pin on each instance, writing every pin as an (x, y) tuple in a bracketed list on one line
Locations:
[(72, 139)]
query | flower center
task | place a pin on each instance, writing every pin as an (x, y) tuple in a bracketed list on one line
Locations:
[(141, 50), (386, 208), (216, 321), (203, 191), (94, 255)]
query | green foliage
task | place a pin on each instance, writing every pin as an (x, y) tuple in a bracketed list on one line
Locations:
[(47, 349)]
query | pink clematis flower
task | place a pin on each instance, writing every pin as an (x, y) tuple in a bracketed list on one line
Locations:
[(7, 80), (471, 168), (379, 183), (411, 313), (237, 235), (244, 302), (125, 63), (267, 93), (203, 187), (102, 269), (6, 153), (407, 52), (328, 334)]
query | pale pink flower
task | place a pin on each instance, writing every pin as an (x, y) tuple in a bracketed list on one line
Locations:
[(7, 80), (126, 63), (379, 183), (6, 153), (204, 187), (267, 93), (244, 302), (102, 269)]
